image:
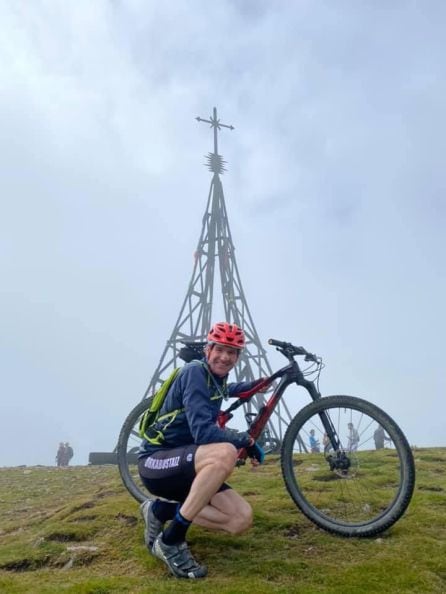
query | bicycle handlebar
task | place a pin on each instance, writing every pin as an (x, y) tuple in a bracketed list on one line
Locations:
[(289, 350)]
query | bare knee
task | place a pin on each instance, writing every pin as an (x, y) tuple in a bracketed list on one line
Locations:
[(225, 456), (241, 520)]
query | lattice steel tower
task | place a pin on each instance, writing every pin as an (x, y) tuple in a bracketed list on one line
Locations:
[(215, 248)]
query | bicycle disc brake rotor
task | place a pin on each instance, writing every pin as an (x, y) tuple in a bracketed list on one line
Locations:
[(344, 465)]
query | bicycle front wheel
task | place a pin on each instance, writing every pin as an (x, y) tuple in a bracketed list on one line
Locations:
[(128, 444), (350, 488)]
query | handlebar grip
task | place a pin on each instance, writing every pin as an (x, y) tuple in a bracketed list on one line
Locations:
[(278, 343), (290, 349)]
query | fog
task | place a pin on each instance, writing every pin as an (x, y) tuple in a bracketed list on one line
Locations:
[(335, 196)]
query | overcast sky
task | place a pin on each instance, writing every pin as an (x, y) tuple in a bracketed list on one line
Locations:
[(335, 193)]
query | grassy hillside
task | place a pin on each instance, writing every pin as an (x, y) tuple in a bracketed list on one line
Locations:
[(77, 530)]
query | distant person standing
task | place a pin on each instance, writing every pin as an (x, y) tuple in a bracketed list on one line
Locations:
[(314, 443), (69, 453), (353, 438), (380, 437), (60, 456)]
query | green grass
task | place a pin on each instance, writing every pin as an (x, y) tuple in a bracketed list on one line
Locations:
[(77, 530)]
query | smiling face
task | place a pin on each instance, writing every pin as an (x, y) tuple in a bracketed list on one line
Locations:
[(221, 359)]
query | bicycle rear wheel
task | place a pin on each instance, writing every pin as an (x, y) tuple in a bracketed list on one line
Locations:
[(128, 444), (351, 489)]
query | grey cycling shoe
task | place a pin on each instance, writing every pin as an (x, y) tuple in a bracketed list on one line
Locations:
[(153, 526), (178, 559)]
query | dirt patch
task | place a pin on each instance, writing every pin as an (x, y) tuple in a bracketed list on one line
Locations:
[(293, 532), (65, 536), (25, 564), (86, 505), (127, 520)]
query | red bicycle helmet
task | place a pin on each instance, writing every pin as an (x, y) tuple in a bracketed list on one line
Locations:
[(227, 334)]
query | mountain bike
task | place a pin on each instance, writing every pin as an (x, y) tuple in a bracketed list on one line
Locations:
[(348, 488)]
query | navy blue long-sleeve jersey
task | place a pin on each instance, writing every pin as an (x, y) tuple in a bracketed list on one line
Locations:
[(195, 399)]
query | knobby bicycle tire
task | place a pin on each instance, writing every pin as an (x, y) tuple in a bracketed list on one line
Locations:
[(127, 442), (356, 489)]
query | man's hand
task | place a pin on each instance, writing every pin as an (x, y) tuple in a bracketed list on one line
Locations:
[(256, 454), (266, 388)]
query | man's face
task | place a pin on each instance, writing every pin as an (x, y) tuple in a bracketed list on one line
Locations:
[(221, 359)]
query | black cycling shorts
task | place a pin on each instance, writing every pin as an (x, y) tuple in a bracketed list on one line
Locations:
[(170, 473)]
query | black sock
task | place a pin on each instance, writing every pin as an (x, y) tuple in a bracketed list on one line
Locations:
[(164, 510), (176, 530)]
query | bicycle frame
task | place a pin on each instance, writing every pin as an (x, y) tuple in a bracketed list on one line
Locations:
[(288, 375)]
